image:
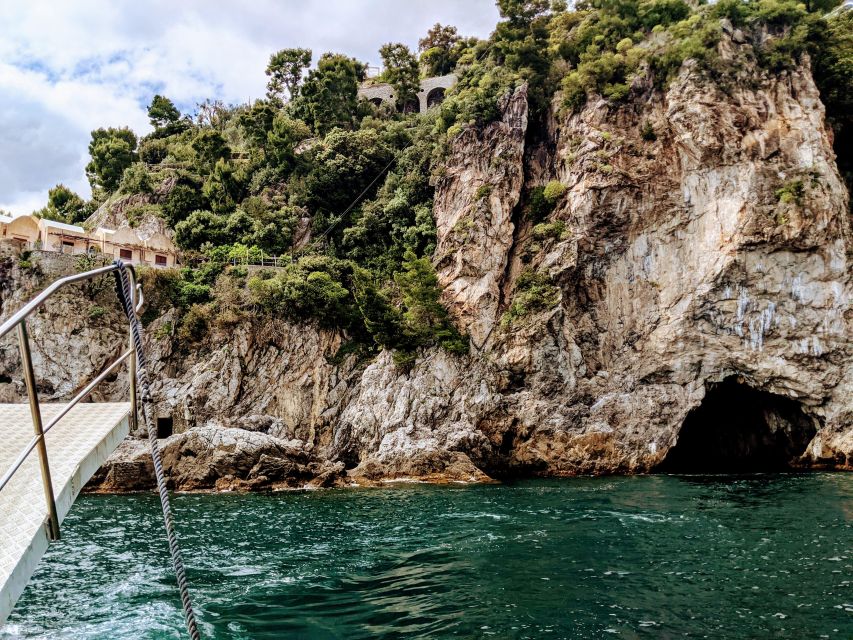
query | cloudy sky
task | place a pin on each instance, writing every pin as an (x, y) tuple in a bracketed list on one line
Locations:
[(69, 67)]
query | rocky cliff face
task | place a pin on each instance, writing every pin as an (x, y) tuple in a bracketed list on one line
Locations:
[(700, 280)]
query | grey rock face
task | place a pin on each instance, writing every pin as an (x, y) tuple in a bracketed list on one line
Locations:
[(679, 263), (474, 202)]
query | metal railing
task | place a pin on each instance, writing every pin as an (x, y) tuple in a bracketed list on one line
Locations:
[(263, 261), (19, 321)]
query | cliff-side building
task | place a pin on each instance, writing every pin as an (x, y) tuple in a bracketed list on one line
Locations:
[(431, 93), (29, 232), (63, 238)]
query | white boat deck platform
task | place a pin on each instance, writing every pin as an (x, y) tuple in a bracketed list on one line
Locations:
[(76, 446)]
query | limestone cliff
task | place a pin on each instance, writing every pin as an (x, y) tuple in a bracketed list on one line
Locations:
[(700, 252)]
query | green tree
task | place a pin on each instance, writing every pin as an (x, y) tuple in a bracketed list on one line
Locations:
[(312, 288), (63, 205), (439, 36), (153, 150), (112, 151), (521, 44), (400, 217), (382, 320), (165, 117), (257, 223), (329, 96), (425, 318), (440, 50), (210, 147), (522, 13), (136, 179), (401, 72), (184, 198), (285, 134), (212, 113), (285, 71), (222, 189), (345, 165), (257, 122), (662, 12)]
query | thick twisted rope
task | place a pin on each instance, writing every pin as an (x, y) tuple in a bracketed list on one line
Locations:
[(125, 295)]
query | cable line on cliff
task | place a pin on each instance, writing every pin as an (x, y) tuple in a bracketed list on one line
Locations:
[(361, 195)]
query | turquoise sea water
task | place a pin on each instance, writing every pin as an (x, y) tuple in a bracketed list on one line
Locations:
[(644, 557)]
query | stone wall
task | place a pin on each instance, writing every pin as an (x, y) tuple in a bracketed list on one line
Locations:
[(430, 94)]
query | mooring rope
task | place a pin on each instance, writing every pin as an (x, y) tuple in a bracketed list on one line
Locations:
[(125, 295)]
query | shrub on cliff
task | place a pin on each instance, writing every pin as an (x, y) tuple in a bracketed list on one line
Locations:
[(553, 191), (266, 226), (533, 292), (184, 198), (542, 200), (210, 148), (610, 43), (136, 179), (194, 324), (200, 229), (309, 289), (344, 166), (425, 319), (140, 212)]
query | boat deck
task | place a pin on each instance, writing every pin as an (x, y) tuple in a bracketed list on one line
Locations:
[(76, 446)]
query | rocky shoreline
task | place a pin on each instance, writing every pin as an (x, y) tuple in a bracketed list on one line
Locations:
[(675, 274)]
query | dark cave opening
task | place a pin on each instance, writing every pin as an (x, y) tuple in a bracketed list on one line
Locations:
[(738, 429)]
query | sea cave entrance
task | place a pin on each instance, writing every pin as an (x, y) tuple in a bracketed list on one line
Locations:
[(738, 429)]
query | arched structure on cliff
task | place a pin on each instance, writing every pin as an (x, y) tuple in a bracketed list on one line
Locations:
[(435, 97), (431, 93)]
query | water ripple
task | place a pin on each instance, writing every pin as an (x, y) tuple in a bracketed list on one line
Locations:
[(656, 557)]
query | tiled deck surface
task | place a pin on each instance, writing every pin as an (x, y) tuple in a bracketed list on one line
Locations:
[(76, 447)]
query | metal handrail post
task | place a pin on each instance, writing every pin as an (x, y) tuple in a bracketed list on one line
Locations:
[(32, 394)]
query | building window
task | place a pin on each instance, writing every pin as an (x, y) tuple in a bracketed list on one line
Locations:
[(67, 247), (160, 261), (125, 254)]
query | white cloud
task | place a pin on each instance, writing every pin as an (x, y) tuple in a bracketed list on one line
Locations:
[(69, 67)]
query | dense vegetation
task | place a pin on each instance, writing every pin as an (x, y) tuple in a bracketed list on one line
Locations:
[(344, 188)]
